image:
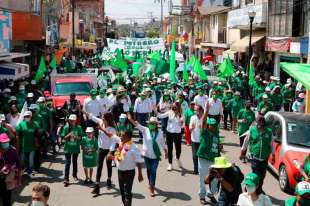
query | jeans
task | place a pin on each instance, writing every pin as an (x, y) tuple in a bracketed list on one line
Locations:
[(195, 147), (203, 169), (125, 180), (102, 153), (5, 195), (227, 114), (28, 160), (177, 140), (68, 158), (259, 168), (227, 199), (142, 118), (151, 169), (164, 122)]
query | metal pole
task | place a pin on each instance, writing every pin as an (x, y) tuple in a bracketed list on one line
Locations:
[(250, 44), (73, 29), (161, 18)]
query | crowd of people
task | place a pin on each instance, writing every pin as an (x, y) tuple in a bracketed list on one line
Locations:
[(164, 113)]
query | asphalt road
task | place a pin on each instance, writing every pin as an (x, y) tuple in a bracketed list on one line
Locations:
[(175, 188)]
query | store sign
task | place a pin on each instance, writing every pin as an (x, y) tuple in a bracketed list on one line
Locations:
[(5, 32), (131, 46)]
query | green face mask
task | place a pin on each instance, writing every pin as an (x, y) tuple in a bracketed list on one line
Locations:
[(93, 97), (152, 127), (214, 96), (200, 93)]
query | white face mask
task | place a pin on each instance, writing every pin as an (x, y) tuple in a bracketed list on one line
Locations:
[(250, 189), (37, 203)]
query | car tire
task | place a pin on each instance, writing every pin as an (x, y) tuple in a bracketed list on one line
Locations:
[(283, 179)]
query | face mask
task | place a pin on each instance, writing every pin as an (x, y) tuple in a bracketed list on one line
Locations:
[(143, 97), (37, 203), (250, 189), (200, 93), (214, 96), (122, 120), (152, 126), (166, 98), (102, 95), (5, 146), (93, 97)]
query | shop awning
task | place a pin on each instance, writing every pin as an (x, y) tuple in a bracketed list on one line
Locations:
[(242, 44), (214, 9), (13, 55), (298, 71)]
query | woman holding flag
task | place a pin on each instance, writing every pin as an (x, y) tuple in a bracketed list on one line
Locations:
[(153, 140)]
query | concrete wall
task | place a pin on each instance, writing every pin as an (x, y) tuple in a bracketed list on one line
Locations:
[(16, 5), (233, 35)]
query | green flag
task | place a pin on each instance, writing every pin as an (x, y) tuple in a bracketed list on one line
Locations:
[(198, 68), (119, 62), (226, 68), (154, 56), (42, 69), (135, 68), (251, 75), (185, 73), (172, 62), (53, 63)]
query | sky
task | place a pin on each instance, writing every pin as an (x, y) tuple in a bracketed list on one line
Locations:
[(120, 10)]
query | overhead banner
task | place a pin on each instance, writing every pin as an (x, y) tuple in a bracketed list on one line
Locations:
[(5, 32), (132, 46)]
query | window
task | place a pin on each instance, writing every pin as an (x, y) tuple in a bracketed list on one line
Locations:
[(275, 124), (298, 133), (249, 2), (36, 6)]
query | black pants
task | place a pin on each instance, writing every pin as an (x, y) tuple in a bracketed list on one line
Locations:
[(125, 180), (175, 138), (5, 194), (287, 106), (102, 153), (142, 118), (195, 147), (68, 158), (259, 168), (227, 114)]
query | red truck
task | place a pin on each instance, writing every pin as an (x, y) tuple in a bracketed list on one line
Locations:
[(62, 85)]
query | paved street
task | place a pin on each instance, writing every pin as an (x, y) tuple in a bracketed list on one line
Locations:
[(176, 188)]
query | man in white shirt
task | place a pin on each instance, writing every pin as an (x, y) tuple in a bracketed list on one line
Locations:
[(123, 98), (215, 107), (195, 129), (201, 98), (103, 100), (92, 106), (142, 109)]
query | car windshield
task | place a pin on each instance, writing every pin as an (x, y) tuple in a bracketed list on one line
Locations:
[(298, 133), (65, 89)]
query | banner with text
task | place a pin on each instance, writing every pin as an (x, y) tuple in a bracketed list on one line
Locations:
[(132, 46)]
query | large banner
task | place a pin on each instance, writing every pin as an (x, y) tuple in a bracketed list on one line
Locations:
[(131, 46), (5, 32)]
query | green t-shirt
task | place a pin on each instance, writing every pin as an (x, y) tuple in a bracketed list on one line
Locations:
[(187, 116), (277, 99), (90, 147), (20, 98), (260, 142), (72, 145), (290, 202), (27, 133), (307, 166), (227, 101), (262, 105), (249, 116), (37, 118), (288, 94), (46, 115), (236, 106), (209, 145)]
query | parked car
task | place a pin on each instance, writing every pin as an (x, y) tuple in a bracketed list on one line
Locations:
[(291, 135)]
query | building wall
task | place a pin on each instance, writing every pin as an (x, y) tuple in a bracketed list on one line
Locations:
[(16, 5)]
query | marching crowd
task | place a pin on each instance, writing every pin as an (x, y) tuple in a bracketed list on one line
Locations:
[(164, 113)]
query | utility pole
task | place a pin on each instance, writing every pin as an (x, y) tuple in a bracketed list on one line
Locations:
[(73, 29), (161, 18)]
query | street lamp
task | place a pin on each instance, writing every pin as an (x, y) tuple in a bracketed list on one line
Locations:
[(251, 14)]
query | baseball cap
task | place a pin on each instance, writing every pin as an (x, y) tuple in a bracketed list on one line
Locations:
[(21, 87), (33, 82), (302, 188), (7, 90), (301, 95), (72, 117), (4, 138), (30, 95), (89, 129), (2, 117), (93, 92), (28, 113), (211, 121), (33, 106), (265, 96), (41, 99), (123, 116), (251, 179)]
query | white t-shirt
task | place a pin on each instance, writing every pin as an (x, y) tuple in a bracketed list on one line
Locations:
[(245, 200), (174, 122), (201, 100), (195, 134)]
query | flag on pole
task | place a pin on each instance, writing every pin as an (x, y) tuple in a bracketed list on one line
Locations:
[(154, 56), (118, 61), (251, 75), (42, 69), (197, 68), (226, 68), (185, 73), (135, 68), (53, 63), (172, 62)]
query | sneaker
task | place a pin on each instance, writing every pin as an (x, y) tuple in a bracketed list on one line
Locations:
[(109, 183), (75, 179), (90, 182), (96, 189), (113, 164), (203, 201), (151, 191), (212, 198), (179, 163), (85, 182), (169, 167)]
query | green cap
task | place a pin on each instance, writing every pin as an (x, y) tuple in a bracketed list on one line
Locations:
[(102, 90), (211, 121), (251, 179), (302, 188), (93, 92)]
